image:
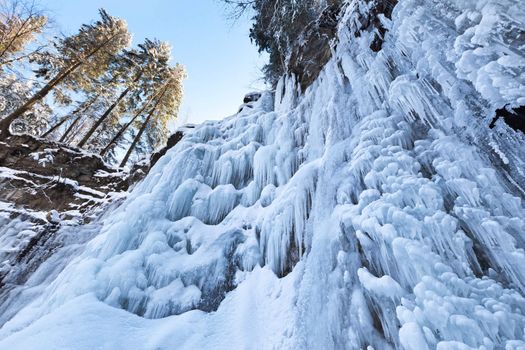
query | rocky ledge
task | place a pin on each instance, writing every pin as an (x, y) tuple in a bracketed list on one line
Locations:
[(44, 176)]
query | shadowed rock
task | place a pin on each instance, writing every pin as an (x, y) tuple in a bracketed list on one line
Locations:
[(513, 117)]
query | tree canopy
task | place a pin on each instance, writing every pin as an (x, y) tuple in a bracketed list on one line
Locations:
[(106, 95)]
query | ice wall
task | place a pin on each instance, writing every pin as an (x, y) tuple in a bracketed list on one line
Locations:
[(375, 210)]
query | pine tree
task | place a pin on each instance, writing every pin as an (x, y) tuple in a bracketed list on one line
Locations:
[(77, 60), (13, 91), (141, 67), (164, 108), (93, 97), (20, 23)]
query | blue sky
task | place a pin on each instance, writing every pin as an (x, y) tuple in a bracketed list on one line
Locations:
[(221, 62)]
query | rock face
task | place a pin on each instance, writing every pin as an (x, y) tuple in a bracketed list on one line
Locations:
[(513, 117), (172, 141), (41, 175), (314, 48), (310, 54), (251, 97), (249, 100)]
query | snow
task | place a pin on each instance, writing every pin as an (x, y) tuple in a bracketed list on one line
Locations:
[(376, 210), (246, 309), (45, 157), (8, 173), (384, 286)]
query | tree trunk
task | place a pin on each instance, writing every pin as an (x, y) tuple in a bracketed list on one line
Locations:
[(56, 126), (70, 128), (135, 140), (120, 133), (64, 73), (107, 113), (143, 127), (81, 108), (127, 125), (6, 122), (102, 118)]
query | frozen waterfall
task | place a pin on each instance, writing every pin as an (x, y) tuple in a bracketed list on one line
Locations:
[(376, 210)]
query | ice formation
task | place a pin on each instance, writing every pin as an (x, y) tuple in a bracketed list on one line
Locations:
[(376, 210)]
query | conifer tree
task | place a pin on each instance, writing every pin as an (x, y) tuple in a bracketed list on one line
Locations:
[(164, 108), (93, 97), (20, 23), (77, 60), (141, 67), (13, 91)]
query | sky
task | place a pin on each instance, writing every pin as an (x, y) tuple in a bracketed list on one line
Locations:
[(221, 62)]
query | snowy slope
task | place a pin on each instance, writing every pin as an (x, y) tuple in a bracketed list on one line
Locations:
[(375, 210)]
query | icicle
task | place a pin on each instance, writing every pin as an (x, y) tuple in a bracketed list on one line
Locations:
[(283, 229)]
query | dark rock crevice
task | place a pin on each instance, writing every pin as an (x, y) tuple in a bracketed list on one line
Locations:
[(514, 117)]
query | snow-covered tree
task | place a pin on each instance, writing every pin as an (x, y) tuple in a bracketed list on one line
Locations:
[(165, 105), (138, 70), (75, 61), (13, 91), (20, 23), (279, 26)]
